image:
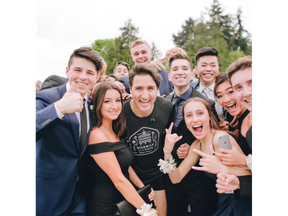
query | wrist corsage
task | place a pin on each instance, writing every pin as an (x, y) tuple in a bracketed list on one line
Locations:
[(147, 210), (166, 166), (249, 162)]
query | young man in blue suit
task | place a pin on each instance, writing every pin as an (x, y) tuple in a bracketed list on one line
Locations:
[(63, 124)]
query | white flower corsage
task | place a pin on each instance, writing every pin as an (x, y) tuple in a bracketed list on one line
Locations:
[(166, 166), (249, 161), (147, 210)]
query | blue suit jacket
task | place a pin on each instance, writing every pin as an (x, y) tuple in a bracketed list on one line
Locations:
[(59, 160)]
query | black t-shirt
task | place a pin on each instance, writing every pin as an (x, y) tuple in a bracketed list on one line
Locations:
[(146, 138)]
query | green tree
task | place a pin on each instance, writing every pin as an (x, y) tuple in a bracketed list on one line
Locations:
[(156, 53), (242, 37), (102, 46), (129, 34), (119, 50), (219, 31), (185, 34)]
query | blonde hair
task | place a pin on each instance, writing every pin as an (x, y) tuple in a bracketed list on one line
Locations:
[(175, 50), (239, 64), (139, 41)]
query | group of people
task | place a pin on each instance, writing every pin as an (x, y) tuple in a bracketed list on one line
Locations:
[(101, 138)]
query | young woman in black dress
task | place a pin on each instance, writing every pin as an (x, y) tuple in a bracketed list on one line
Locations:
[(112, 157), (202, 123)]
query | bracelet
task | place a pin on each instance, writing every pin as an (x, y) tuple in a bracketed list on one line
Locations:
[(166, 166), (147, 210), (249, 162), (166, 152)]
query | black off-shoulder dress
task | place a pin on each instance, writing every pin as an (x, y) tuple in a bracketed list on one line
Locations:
[(104, 194)]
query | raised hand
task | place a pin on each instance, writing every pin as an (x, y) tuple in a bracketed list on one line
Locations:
[(234, 122), (209, 163), (170, 139), (159, 63), (224, 124), (71, 102), (232, 157)]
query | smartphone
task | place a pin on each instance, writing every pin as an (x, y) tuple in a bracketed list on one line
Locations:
[(224, 142)]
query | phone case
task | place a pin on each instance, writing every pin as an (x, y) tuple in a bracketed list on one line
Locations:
[(224, 142)]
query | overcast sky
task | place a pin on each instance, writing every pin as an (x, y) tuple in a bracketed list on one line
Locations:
[(63, 26)]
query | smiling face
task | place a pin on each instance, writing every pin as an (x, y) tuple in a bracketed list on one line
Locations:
[(144, 93), (121, 71), (197, 119), (227, 99), (242, 85), (83, 73), (180, 73), (207, 69), (111, 106), (141, 54)]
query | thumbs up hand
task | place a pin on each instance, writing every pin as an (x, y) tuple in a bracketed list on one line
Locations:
[(71, 102)]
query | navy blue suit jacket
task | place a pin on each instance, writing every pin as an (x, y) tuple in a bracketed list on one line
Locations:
[(59, 160)]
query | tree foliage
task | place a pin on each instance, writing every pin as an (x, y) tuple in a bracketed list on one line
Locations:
[(213, 28), (119, 50), (225, 32)]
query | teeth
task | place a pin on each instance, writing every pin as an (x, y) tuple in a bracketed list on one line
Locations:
[(249, 101), (195, 126), (230, 106), (82, 84)]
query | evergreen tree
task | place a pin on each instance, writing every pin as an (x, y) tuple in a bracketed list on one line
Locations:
[(242, 36), (120, 50), (220, 31), (156, 53), (185, 34)]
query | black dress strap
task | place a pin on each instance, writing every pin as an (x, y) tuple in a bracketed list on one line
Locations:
[(106, 147), (243, 116)]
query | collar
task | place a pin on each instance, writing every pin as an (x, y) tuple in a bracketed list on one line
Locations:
[(68, 87), (201, 88), (185, 96)]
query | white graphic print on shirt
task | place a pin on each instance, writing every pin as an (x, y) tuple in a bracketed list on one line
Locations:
[(144, 141)]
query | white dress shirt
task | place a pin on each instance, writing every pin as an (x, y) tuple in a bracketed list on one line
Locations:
[(61, 116), (218, 107)]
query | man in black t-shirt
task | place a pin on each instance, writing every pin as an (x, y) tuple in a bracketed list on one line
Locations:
[(147, 115)]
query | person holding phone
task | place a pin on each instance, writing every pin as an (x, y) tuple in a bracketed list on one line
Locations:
[(202, 123), (239, 74)]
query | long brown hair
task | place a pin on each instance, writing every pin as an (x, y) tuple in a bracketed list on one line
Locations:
[(213, 120), (214, 124), (119, 124)]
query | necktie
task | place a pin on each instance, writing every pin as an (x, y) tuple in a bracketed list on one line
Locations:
[(207, 93), (176, 101), (83, 119)]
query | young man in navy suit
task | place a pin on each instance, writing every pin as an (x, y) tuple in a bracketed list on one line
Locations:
[(63, 124)]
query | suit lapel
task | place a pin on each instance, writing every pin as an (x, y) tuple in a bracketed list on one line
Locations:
[(72, 119)]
